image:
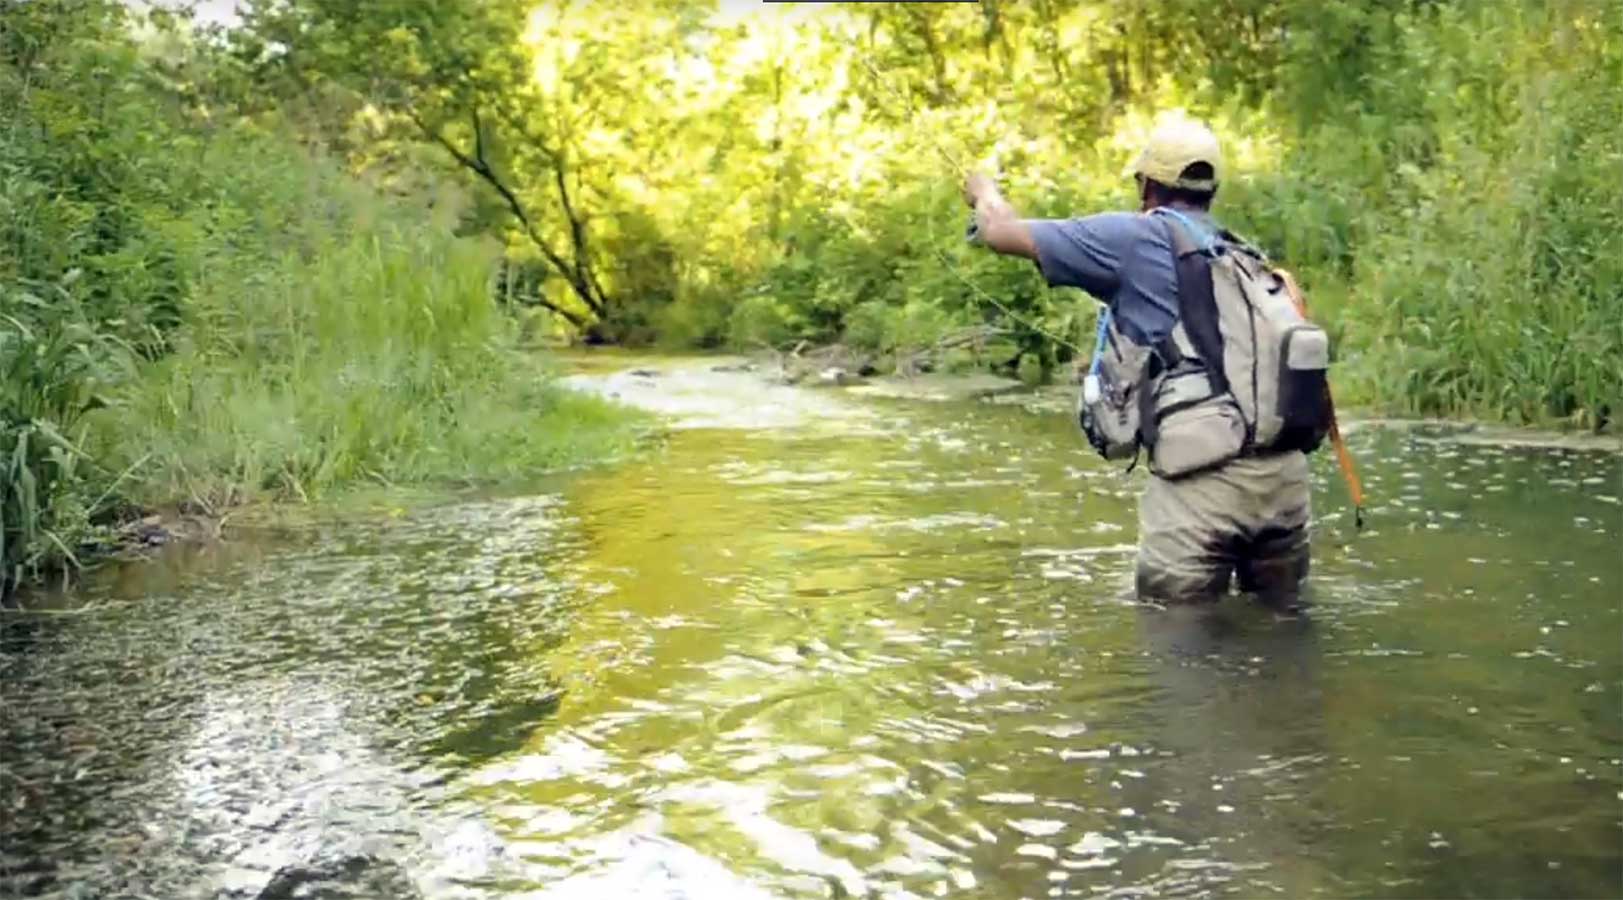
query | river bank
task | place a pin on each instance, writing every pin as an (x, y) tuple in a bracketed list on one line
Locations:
[(503, 432), (633, 379), (679, 392)]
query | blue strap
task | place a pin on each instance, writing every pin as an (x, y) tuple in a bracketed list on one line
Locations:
[(1210, 237), (1194, 227), (1099, 342)]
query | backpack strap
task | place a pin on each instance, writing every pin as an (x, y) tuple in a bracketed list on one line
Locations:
[(1149, 430), (1197, 304), (1235, 242)]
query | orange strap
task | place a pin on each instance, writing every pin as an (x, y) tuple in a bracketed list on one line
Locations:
[(1355, 487)]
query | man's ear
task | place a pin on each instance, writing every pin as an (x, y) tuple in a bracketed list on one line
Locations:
[(1152, 195)]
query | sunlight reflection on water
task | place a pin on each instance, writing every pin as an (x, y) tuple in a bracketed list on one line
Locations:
[(839, 648)]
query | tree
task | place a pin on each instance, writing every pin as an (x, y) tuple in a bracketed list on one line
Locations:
[(517, 98)]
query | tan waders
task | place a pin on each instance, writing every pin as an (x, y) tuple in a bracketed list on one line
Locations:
[(1248, 516)]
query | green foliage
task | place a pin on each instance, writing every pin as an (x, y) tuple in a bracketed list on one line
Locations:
[(1029, 368), (761, 321), (375, 353), (1432, 171), (190, 306), (1458, 228), (195, 309), (48, 372), (81, 267)]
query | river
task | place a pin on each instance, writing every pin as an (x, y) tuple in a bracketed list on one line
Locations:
[(820, 645)]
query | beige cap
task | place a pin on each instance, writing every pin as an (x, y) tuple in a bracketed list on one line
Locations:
[(1174, 146)]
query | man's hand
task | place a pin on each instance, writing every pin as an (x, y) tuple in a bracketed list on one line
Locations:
[(977, 186), (996, 222)]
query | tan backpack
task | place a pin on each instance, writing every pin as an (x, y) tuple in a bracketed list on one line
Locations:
[(1243, 370), (1234, 307)]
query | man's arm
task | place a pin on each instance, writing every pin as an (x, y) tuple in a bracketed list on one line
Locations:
[(999, 226), (1084, 253)]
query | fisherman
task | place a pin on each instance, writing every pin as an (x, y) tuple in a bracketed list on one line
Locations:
[(1218, 501)]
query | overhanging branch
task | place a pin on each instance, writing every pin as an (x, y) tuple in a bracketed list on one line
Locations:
[(480, 166)]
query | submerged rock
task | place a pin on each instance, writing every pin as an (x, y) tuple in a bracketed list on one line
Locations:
[(940, 387), (357, 876), (149, 533), (836, 376)]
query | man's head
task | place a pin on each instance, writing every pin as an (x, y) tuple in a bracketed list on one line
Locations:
[(1181, 165)]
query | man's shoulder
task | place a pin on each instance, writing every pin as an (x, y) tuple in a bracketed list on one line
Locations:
[(1115, 219), (1115, 227)]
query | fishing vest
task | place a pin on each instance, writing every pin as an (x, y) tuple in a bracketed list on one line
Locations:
[(1242, 371)]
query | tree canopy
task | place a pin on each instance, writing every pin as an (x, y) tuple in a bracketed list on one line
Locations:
[(703, 173)]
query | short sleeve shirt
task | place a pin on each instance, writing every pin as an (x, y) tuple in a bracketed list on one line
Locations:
[(1123, 259)]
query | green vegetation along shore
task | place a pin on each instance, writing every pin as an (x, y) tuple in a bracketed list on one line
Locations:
[(1440, 175), (202, 313), (301, 246)]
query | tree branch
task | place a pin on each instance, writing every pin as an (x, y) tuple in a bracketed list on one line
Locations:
[(585, 274), (577, 231), (480, 166)]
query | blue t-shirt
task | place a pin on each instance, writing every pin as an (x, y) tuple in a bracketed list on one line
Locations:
[(1123, 259)]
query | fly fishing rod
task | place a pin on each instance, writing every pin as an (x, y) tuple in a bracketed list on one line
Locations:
[(972, 230)]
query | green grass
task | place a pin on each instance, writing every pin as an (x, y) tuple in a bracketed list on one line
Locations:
[(251, 324), (379, 358)]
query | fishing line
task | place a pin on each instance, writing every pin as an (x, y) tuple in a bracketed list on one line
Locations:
[(935, 244)]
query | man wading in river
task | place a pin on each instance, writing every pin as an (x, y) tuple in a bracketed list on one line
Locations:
[(1204, 362)]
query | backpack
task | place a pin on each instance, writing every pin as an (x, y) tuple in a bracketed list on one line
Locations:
[(1242, 372)]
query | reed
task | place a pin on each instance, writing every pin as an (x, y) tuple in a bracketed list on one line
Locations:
[(249, 322)]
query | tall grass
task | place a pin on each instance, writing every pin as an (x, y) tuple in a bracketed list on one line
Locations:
[(1461, 223), (357, 341), (45, 392), (212, 313)]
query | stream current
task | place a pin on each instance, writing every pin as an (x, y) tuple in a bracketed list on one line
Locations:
[(821, 645)]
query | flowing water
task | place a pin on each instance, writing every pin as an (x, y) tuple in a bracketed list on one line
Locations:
[(815, 645)]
